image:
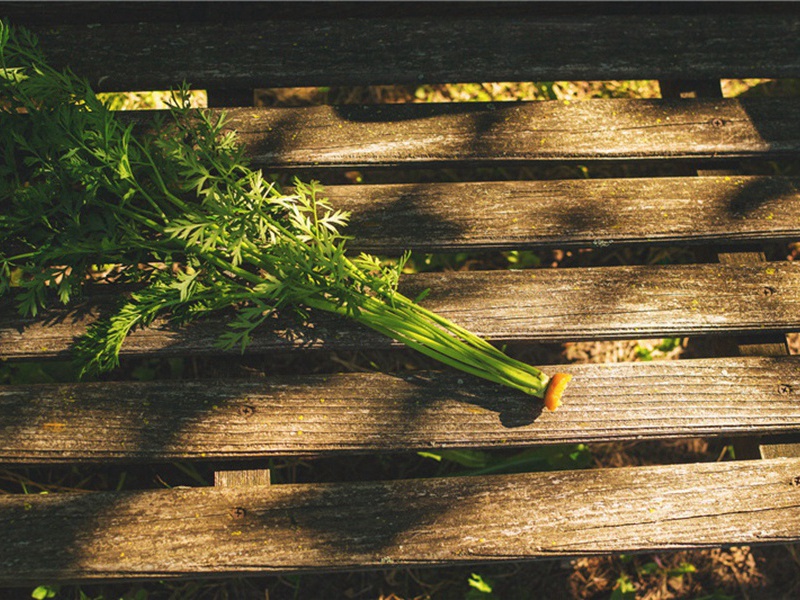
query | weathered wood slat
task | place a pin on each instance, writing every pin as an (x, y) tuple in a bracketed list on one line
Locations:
[(357, 51), (163, 533), (314, 414), (541, 304), (507, 132), (496, 133), (506, 215), (569, 213), (757, 344), (762, 345)]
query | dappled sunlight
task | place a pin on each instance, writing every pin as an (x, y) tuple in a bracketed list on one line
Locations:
[(576, 227), (507, 133), (153, 100), (267, 529)]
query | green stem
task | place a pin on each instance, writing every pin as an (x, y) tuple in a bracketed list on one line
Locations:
[(414, 330)]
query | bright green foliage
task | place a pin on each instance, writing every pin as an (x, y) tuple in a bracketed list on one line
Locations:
[(45, 591), (198, 229), (665, 346), (624, 590), (481, 588), (652, 568), (547, 458)]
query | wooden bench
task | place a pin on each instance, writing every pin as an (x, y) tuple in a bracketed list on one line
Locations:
[(690, 170)]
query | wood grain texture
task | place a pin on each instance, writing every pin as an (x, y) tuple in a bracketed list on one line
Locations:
[(761, 345), (230, 419), (251, 529), (504, 306), (509, 215), (511, 132), (569, 213), (527, 45), (241, 477), (164, 533), (757, 344)]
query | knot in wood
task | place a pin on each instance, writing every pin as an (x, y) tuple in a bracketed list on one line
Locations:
[(247, 410), (717, 122), (784, 389), (238, 513)]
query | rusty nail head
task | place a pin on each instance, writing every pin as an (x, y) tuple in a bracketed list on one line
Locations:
[(247, 410), (784, 389), (238, 512)]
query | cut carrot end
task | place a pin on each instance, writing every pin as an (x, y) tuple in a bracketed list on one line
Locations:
[(552, 396)]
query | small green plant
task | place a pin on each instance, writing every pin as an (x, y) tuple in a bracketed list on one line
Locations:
[(199, 229), (548, 458), (37, 372), (653, 568), (624, 589), (481, 589), (143, 100), (646, 353), (45, 591)]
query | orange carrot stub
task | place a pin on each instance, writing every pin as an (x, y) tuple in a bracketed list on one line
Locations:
[(552, 396)]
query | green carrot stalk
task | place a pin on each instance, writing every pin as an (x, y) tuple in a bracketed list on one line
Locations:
[(80, 187)]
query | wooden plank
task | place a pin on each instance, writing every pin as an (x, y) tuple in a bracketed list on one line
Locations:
[(226, 531), (763, 345), (511, 132), (373, 412), (241, 477), (505, 306), (780, 447), (521, 45), (498, 133), (756, 344), (748, 345), (508, 215), (569, 213), (232, 11)]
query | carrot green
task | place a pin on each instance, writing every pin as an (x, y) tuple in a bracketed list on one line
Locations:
[(80, 186)]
